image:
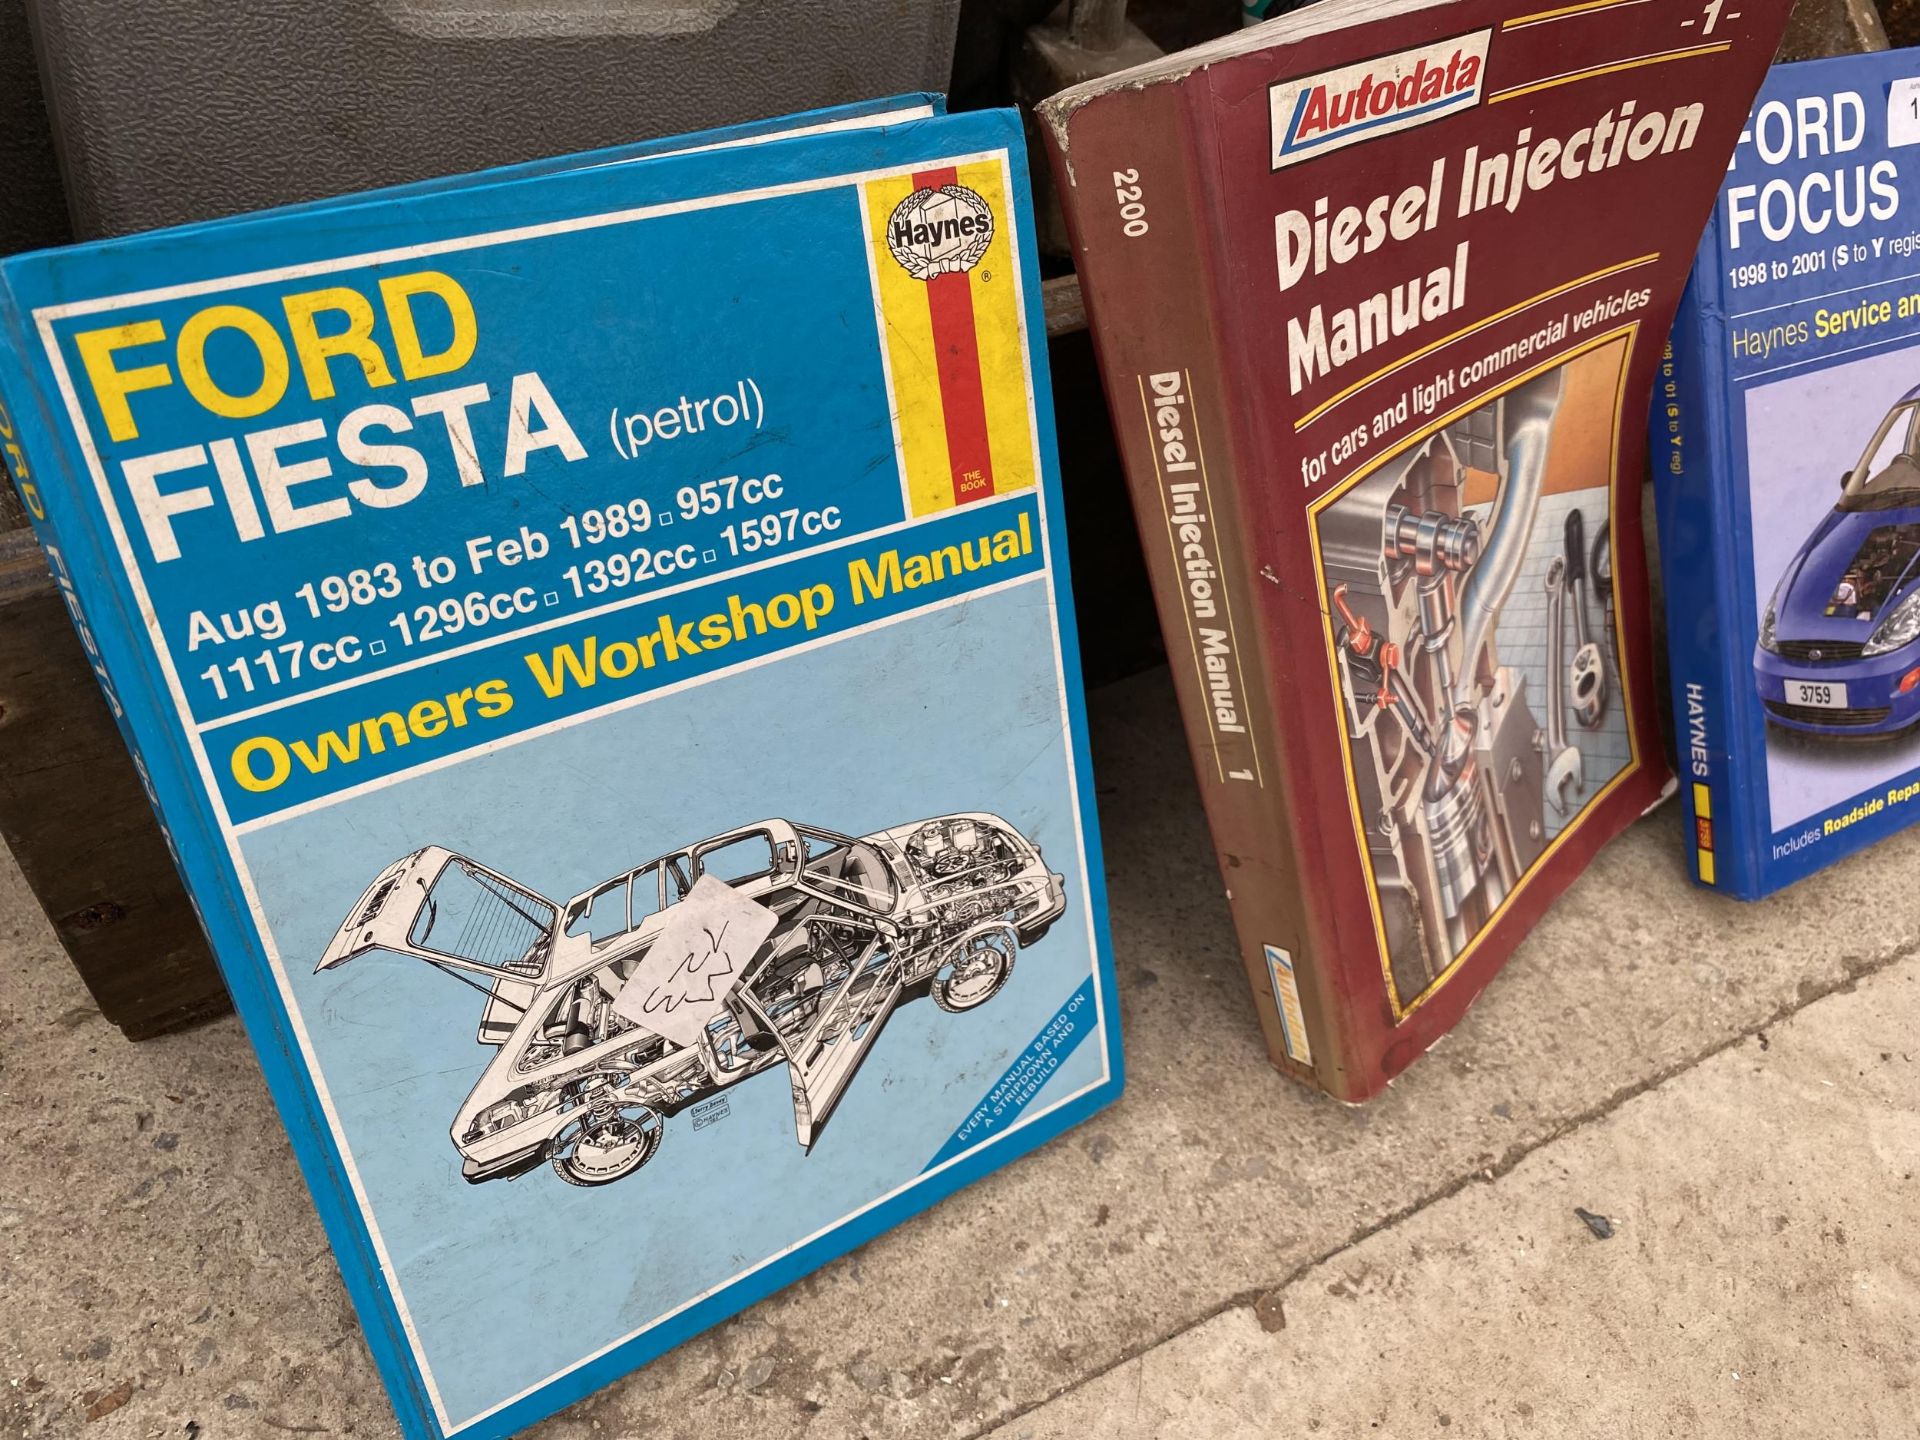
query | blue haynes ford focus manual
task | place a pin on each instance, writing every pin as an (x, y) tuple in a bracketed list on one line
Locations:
[(597, 635), (1786, 456)]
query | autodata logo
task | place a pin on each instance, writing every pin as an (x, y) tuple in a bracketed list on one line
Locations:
[(1324, 112)]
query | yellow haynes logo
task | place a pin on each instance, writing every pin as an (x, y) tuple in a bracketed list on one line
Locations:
[(946, 279)]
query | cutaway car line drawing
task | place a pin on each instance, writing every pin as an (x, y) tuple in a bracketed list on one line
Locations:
[(1839, 648), (938, 908)]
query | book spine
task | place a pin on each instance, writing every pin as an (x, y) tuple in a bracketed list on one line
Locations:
[(1128, 172), (48, 486), (1696, 515)]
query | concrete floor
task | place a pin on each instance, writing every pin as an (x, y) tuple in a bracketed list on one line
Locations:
[(1223, 1254)]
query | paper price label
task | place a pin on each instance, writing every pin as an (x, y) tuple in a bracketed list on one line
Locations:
[(702, 951), (1903, 112)]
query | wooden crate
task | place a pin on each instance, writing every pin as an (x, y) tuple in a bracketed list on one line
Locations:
[(74, 814)]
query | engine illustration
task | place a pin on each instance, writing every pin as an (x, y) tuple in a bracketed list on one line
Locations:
[(1461, 757)]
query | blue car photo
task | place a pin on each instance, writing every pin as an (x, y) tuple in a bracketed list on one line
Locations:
[(1839, 650)]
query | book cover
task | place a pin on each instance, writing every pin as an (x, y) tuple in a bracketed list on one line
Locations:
[(1787, 470), (1378, 293), (600, 646)]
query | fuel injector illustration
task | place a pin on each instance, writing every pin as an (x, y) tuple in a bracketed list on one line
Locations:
[(1452, 768)]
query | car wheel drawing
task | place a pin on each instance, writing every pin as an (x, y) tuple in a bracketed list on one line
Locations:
[(611, 1013), (979, 973), (1839, 646), (600, 1150)]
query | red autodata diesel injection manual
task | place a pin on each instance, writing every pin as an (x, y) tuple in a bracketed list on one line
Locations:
[(1379, 290)]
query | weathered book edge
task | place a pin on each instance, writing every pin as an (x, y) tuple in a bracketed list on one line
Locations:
[(1128, 160), (1689, 456)]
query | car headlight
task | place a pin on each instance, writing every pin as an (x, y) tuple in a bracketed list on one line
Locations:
[(1900, 627), (1768, 615), (505, 1114)]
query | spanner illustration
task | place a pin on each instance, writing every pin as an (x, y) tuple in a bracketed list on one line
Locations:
[(1566, 777), (1587, 678), (1600, 569)]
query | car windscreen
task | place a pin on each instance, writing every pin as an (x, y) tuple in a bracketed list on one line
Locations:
[(849, 870), (472, 915), (1888, 475)]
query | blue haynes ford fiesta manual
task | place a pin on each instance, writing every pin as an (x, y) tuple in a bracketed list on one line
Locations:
[(1786, 456), (598, 637)]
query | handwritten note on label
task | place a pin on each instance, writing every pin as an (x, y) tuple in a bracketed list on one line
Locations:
[(704, 948)]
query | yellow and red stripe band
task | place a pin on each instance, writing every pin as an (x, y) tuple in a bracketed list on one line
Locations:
[(955, 353)]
